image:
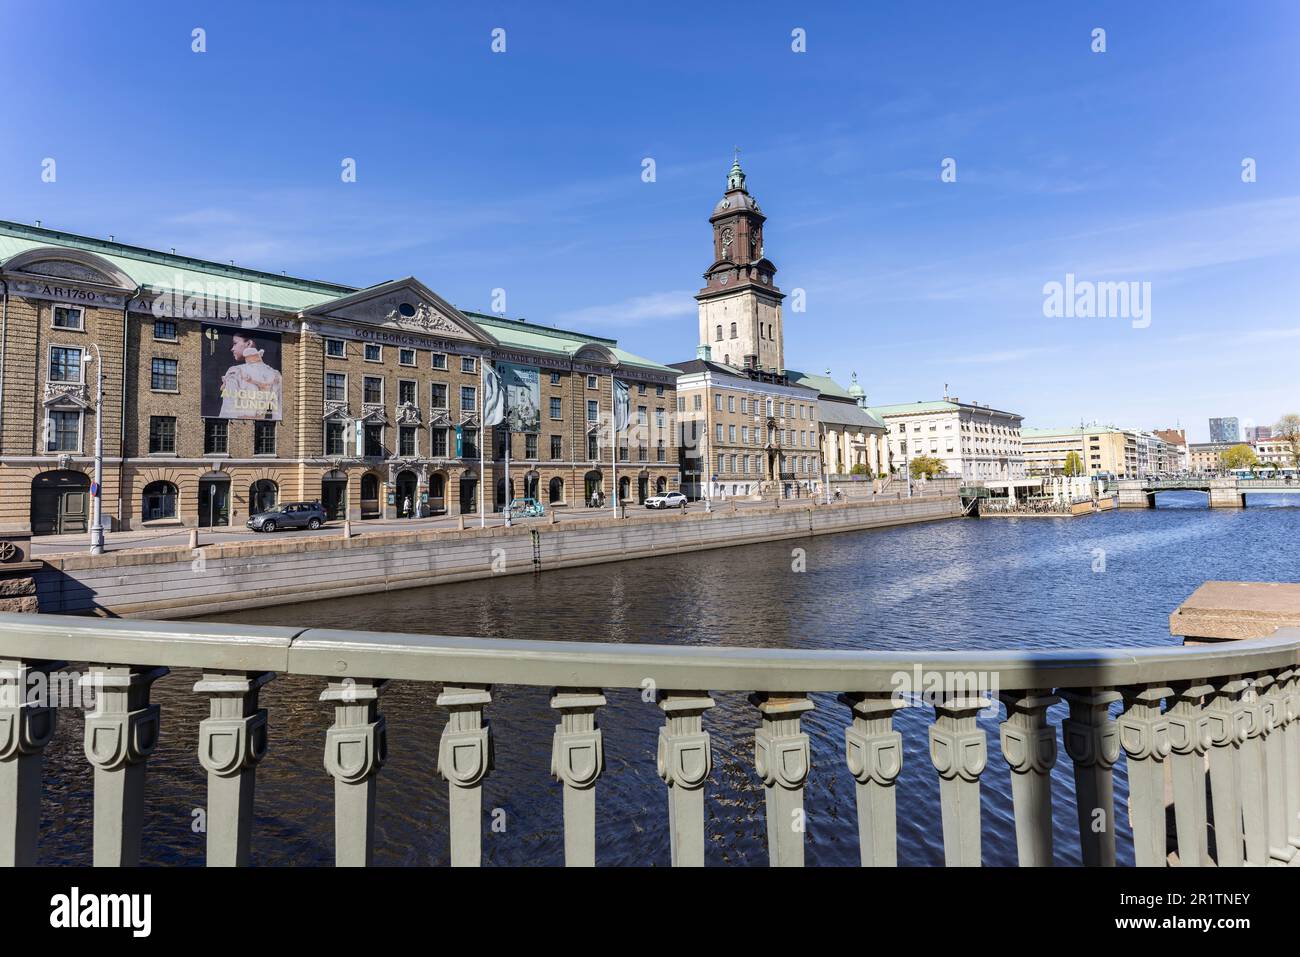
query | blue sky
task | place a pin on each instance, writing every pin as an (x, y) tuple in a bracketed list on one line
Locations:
[(522, 171)]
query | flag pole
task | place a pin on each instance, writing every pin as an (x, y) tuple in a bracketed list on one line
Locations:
[(482, 437), (613, 444)]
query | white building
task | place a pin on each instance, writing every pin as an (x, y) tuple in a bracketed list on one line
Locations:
[(974, 441)]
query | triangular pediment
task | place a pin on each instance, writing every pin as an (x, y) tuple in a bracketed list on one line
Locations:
[(402, 304)]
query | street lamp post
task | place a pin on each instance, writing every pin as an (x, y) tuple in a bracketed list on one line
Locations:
[(97, 489)]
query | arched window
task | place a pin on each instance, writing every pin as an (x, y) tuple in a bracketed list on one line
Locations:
[(262, 495), (719, 335), (556, 490), (158, 501), (733, 330)]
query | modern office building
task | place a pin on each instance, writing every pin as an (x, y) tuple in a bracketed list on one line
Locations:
[(1225, 430)]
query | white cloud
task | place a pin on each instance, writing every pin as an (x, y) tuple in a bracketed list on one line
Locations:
[(655, 307)]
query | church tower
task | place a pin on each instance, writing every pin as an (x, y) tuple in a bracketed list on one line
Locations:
[(740, 306)]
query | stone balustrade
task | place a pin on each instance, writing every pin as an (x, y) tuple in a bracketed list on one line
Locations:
[(1226, 710)]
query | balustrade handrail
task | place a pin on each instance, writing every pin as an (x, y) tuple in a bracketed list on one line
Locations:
[(1233, 708), (334, 653)]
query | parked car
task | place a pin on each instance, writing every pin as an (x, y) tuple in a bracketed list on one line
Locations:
[(289, 515), (668, 500)]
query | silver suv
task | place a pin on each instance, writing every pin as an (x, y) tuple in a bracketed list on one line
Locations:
[(289, 515)]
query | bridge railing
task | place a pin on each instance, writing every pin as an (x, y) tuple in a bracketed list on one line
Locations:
[(1231, 708)]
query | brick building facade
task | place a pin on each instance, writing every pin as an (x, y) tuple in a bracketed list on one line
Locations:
[(226, 390)]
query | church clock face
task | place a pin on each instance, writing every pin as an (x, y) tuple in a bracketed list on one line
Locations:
[(726, 239)]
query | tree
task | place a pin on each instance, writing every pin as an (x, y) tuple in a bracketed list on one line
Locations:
[(858, 469), (925, 465), (1073, 464), (1238, 457), (1288, 431)]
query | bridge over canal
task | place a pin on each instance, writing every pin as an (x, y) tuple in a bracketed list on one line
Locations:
[(1222, 492)]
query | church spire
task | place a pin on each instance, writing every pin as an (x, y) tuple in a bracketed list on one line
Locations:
[(736, 175)]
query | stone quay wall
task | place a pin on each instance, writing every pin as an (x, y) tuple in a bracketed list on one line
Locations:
[(180, 582)]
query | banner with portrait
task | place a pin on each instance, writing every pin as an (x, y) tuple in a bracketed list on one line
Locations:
[(522, 386), (239, 374)]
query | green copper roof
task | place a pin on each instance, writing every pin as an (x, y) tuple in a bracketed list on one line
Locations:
[(158, 270), (164, 271), (824, 384), (902, 409), (537, 338)]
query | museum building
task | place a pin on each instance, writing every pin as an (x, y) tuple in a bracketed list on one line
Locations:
[(227, 390)]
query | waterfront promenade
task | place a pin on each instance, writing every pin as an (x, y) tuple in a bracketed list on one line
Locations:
[(288, 567)]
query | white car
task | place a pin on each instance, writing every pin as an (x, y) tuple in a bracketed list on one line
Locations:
[(668, 500)]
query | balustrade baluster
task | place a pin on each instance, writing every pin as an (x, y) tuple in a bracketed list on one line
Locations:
[(1227, 721), (1291, 748), (1144, 733), (121, 733), (781, 758), (232, 740), (1092, 742), (464, 759), (577, 758), (1029, 747), (26, 725), (1275, 696), (1189, 739), (959, 752), (685, 762), (874, 752), (1253, 784), (356, 746)]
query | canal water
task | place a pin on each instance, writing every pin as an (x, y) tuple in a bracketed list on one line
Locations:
[(1104, 580)]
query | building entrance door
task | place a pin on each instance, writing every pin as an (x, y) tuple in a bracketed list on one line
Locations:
[(60, 502), (334, 496), (214, 502)]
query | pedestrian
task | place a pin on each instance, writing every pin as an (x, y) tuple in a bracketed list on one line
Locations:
[(406, 506)]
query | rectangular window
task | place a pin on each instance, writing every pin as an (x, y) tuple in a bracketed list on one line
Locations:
[(406, 441), (557, 448), (659, 390), (163, 375), (439, 450), (622, 453), (699, 403), (334, 439), (642, 415), (336, 387), (162, 433), (374, 441), (731, 403), (640, 388), (467, 364), (164, 330), (440, 360), (731, 433), (591, 382), (406, 392), (468, 398), (593, 410), (439, 395), (65, 432), (373, 390), (557, 409), (660, 451), (555, 378), (718, 431), (661, 419), (722, 463), (717, 401), (374, 353), (263, 438), (593, 451), (406, 357), (65, 364), (68, 317), (469, 443), (530, 446), (216, 437), (336, 348)]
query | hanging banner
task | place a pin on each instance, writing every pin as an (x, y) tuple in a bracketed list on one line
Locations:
[(522, 386), (494, 398), (622, 405), (239, 374)]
